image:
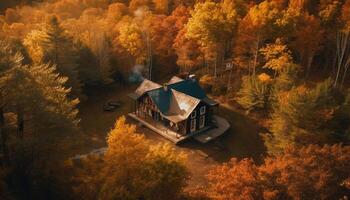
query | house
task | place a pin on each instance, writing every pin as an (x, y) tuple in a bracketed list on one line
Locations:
[(180, 105)]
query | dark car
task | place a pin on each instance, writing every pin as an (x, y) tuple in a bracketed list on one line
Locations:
[(111, 105)]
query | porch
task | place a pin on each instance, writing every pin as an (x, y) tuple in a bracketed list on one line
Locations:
[(203, 135), (161, 129)]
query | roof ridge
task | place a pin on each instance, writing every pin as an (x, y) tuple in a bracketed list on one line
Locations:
[(185, 94), (188, 112)]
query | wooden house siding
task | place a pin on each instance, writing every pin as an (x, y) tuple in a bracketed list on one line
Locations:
[(207, 115), (147, 107), (172, 105)]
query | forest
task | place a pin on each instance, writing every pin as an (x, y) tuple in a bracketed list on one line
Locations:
[(281, 64)]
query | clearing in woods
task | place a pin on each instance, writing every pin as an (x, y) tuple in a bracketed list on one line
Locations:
[(242, 140)]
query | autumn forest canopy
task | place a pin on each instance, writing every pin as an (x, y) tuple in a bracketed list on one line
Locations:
[(284, 64)]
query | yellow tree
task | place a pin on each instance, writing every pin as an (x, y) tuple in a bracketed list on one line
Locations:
[(277, 56), (34, 46), (130, 38), (258, 25), (212, 25), (133, 168), (126, 149)]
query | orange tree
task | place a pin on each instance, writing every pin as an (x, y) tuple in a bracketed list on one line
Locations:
[(310, 172)]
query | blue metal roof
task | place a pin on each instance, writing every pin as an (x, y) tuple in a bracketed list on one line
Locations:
[(189, 87), (161, 98)]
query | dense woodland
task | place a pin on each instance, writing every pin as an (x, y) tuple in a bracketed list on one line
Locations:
[(285, 62)]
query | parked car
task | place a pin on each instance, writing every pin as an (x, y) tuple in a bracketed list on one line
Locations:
[(114, 103), (111, 105)]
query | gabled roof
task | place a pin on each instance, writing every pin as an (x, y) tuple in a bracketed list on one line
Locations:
[(181, 106), (177, 100), (161, 98), (175, 79), (146, 86), (189, 87)]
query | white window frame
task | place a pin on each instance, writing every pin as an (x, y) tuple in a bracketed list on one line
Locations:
[(194, 114), (193, 125), (202, 121), (202, 110)]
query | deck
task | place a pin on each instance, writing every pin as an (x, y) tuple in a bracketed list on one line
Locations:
[(203, 135), (222, 126)]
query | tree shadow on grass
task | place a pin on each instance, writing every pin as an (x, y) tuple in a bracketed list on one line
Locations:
[(242, 140)]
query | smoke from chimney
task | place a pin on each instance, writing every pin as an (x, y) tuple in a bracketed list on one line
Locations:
[(136, 74)]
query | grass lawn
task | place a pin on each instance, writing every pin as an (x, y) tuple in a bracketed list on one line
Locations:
[(241, 141)]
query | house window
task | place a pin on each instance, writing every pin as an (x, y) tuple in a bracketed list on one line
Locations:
[(193, 125), (202, 121), (156, 116), (202, 110), (193, 114)]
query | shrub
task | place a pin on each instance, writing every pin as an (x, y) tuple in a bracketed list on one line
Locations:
[(255, 92)]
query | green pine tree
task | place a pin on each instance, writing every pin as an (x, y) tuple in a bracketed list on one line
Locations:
[(254, 93), (308, 116), (59, 49), (287, 78), (36, 94)]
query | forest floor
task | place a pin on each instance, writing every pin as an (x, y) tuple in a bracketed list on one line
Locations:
[(241, 141)]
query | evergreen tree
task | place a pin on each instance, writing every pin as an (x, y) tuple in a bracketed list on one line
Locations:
[(255, 92), (7, 60), (287, 77), (59, 50), (58, 111), (87, 65), (36, 94), (308, 116)]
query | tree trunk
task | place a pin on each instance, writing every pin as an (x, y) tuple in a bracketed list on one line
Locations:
[(215, 65), (149, 55), (308, 65), (256, 54), (4, 138), (342, 43), (345, 72), (20, 123), (229, 81)]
